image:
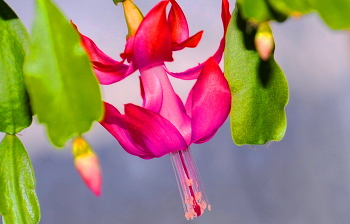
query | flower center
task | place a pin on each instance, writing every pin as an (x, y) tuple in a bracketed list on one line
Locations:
[(190, 185)]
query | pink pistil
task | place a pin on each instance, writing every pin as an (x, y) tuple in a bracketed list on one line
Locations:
[(189, 183)]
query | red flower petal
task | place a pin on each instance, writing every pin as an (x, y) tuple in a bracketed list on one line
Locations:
[(178, 23), (152, 44), (194, 72), (152, 132), (114, 122), (209, 103), (190, 42)]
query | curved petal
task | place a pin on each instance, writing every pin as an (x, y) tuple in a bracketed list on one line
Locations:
[(189, 74), (151, 92), (194, 72), (110, 73), (178, 23), (152, 43), (209, 102), (152, 132), (107, 70), (114, 123), (179, 29), (94, 52), (190, 42), (172, 108)]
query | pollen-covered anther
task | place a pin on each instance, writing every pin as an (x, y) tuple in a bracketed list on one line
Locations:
[(198, 196), (203, 205), (189, 182)]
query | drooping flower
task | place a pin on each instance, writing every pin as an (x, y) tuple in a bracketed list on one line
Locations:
[(164, 124)]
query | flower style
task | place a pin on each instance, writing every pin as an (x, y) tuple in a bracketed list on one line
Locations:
[(163, 124)]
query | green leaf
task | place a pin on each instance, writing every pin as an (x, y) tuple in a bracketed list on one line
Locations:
[(63, 90), (15, 113), (259, 89), (18, 200), (335, 13), (291, 7), (259, 11)]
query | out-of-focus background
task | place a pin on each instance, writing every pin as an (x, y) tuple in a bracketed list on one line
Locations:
[(305, 178)]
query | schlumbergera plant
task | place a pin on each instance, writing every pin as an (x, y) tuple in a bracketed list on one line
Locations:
[(55, 74)]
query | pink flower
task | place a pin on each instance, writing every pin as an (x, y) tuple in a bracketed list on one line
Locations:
[(164, 124)]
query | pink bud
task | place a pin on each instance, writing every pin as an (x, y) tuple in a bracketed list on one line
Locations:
[(264, 42), (87, 165)]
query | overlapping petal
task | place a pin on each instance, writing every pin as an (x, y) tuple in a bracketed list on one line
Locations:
[(209, 102), (107, 70), (153, 132), (151, 92), (179, 29), (152, 44), (194, 72), (172, 107), (115, 123), (178, 23)]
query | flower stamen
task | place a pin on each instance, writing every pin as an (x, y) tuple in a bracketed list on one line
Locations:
[(189, 183)]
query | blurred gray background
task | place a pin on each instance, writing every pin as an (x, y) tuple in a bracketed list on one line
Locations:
[(303, 179)]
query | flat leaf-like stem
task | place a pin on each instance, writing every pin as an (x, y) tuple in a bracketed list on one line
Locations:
[(63, 90), (15, 113), (18, 200), (259, 88)]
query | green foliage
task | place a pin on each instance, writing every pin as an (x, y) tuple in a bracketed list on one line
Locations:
[(15, 113), (259, 88), (291, 7), (335, 13), (18, 200), (259, 11), (63, 90)]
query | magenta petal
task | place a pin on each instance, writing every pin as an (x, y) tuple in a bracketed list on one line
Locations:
[(152, 43), (172, 108), (106, 69), (114, 122), (189, 74), (210, 102), (178, 23), (151, 91), (94, 52), (110, 73), (153, 132)]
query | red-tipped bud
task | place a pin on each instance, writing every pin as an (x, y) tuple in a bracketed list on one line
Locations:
[(87, 165), (264, 41)]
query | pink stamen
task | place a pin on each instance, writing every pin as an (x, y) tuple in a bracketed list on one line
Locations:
[(189, 183)]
